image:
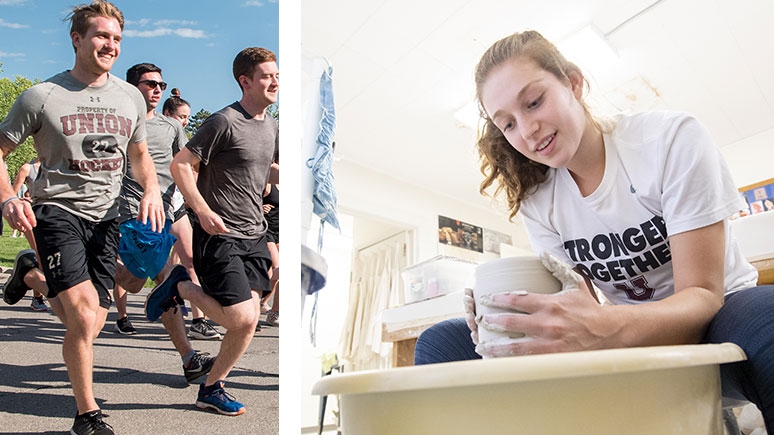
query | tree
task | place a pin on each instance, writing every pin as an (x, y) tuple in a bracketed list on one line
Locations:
[(273, 110), (9, 91), (196, 121)]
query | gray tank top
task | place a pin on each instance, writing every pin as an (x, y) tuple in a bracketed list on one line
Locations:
[(33, 174)]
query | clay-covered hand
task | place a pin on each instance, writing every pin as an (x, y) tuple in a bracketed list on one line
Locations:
[(569, 320), (562, 271), (470, 313)]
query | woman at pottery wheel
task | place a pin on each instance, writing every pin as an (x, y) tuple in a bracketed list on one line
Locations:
[(638, 205)]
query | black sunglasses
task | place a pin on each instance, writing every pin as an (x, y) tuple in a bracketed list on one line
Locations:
[(153, 83)]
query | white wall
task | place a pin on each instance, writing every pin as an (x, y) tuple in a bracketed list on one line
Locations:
[(331, 312), (751, 160), (362, 191)]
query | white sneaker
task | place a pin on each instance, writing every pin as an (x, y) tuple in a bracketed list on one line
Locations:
[(272, 318), (203, 331)]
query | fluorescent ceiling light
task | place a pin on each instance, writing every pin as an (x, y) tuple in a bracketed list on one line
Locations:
[(590, 51), (588, 48)]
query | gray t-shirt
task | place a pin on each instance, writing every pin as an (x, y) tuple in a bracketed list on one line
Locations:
[(81, 134), (165, 138), (33, 174), (236, 152)]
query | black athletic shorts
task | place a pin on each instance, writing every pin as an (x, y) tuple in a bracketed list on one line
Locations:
[(179, 213), (229, 269), (73, 250), (272, 234)]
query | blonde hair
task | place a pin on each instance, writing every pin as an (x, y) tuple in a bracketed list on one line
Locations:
[(514, 173), (81, 16)]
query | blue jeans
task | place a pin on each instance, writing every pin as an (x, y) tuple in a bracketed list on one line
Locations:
[(746, 319), (324, 193)]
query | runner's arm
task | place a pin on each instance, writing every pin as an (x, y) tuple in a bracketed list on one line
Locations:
[(274, 174), (21, 177), (183, 169), (151, 205), (19, 213)]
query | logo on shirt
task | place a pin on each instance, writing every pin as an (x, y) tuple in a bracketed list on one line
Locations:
[(99, 146), (623, 258), (84, 123), (101, 151), (101, 127)]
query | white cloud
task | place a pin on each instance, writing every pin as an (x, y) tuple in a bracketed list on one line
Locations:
[(147, 33), (11, 2), (174, 22), (190, 33), (142, 22), (4, 23), (147, 28), (155, 33), (5, 54), (253, 3)]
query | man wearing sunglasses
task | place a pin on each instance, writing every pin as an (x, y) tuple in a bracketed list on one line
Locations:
[(144, 253)]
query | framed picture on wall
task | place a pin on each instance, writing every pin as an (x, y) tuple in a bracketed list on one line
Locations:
[(460, 234), (759, 197), (493, 240)]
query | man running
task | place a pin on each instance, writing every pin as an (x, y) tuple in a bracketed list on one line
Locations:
[(85, 123), (144, 253), (233, 150)]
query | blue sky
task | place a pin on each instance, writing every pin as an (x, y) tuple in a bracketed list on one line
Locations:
[(194, 42)]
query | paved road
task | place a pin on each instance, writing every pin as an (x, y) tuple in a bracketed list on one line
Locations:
[(138, 380)]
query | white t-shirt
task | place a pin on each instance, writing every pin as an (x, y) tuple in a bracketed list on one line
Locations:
[(663, 176)]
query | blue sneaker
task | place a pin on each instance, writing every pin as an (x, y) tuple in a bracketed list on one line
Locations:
[(165, 296), (219, 400)]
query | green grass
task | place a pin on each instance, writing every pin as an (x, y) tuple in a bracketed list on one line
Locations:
[(10, 246)]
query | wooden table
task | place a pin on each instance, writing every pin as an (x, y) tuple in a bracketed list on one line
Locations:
[(405, 339), (402, 325), (765, 271)]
